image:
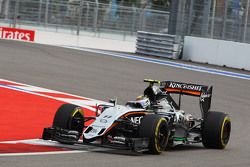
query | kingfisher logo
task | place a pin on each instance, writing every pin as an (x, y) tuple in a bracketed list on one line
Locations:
[(185, 86), (17, 34)]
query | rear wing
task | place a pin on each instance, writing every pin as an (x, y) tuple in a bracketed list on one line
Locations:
[(203, 92), (183, 88)]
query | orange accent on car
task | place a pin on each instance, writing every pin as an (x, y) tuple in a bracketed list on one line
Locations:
[(131, 113), (172, 90), (134, 113)]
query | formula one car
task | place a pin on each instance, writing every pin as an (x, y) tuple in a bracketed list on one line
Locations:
[(151, 123)]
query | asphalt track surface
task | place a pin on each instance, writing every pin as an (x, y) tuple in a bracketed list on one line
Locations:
[(103, 77)]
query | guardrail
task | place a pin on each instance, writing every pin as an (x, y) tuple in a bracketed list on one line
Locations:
[(158, 44)]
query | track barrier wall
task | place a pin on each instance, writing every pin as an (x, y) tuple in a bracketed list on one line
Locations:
[(217, 52), (53, 38), (32, 34)]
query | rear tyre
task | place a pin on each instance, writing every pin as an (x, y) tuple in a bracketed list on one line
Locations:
[(216, 130), (155, 128), (69, 117)]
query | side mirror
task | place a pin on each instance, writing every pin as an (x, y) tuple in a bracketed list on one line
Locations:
[(100, 108), (113, 101)]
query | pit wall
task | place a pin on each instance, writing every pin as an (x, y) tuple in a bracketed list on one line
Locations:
[(217, 52)]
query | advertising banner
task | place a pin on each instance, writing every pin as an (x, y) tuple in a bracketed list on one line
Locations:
[(17, 34)]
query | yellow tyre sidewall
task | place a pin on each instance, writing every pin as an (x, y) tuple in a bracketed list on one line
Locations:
[(156, 142), (226, 119), (78, 109)]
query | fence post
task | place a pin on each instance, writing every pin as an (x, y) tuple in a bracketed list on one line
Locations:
[(46, 12), (224, 20), (205, 20), (40, 11), (142, 19), (79, 18), (6, 9), (96, 15), (213, 19), (173, 16), (180, 17), (87, 16), (133, 25), (190, 17), (16, 13), (246, 21)]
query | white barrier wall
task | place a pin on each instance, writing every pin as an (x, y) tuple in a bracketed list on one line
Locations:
[(217, 52), (53, 38)]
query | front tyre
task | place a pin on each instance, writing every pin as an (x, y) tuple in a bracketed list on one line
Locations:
[(69, 117), (155, 128), (216, 130)]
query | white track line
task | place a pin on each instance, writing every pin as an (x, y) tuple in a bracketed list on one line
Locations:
[(31, 90), (164, 62), (42, 153), (40, 142)]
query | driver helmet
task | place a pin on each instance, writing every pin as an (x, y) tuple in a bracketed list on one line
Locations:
[(143, 101)]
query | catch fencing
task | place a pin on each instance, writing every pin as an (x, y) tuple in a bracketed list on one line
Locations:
[(83, 17), (219, 19)]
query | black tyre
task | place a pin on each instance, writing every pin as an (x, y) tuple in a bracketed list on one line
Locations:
[(155, 128), (216, 130), (69, 117)]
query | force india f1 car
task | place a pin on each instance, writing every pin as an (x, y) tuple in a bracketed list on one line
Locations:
[(149, 124)]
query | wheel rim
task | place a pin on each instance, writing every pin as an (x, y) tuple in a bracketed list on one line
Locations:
[(77, 122), (162, 136)]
